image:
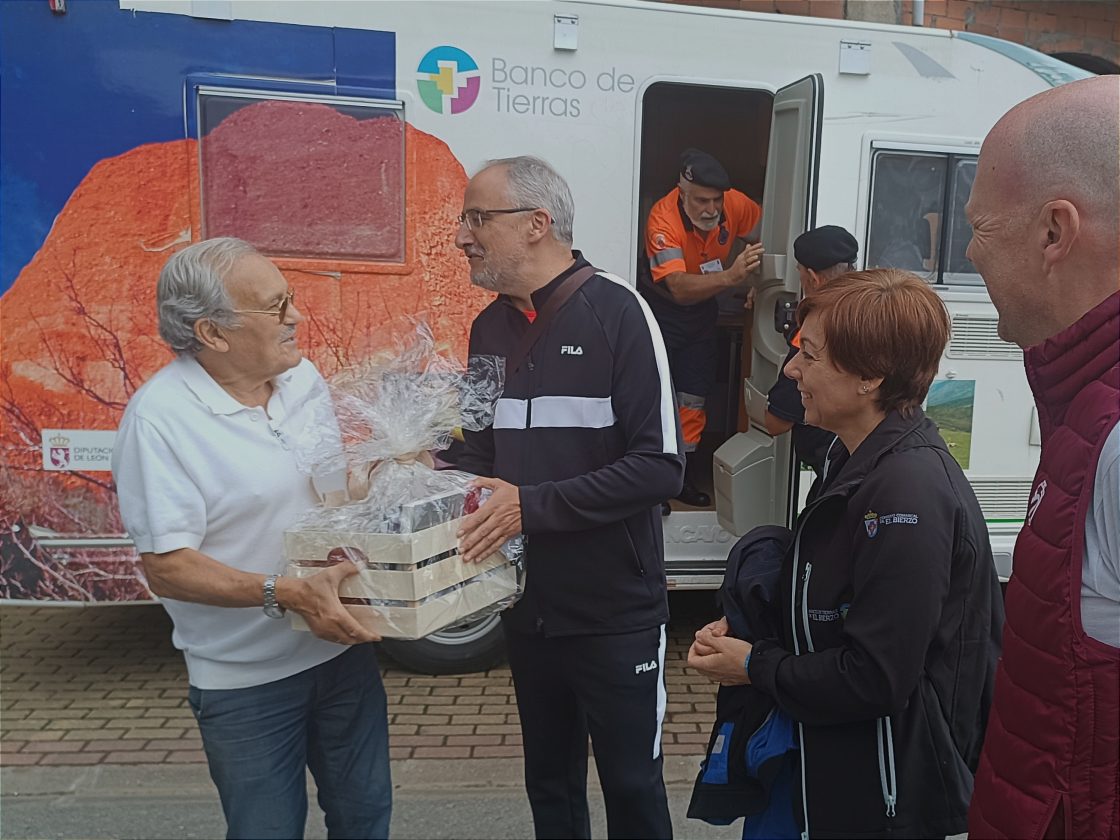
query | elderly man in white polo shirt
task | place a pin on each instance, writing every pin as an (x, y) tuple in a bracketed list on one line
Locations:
[(207, 482)]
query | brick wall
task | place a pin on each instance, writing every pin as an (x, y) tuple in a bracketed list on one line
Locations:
[(1088, 27)]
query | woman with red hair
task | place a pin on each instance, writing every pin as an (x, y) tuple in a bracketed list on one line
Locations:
[(891, 609)]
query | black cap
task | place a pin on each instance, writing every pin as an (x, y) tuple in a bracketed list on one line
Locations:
[(704, 170), (825, 247)]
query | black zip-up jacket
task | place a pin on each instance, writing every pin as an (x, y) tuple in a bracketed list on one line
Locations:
[(893, 616), (587, 429)]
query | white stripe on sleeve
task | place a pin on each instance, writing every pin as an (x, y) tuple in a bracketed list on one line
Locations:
[(668, 410)]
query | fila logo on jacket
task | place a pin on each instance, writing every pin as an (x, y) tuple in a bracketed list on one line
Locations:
[(571, 350)]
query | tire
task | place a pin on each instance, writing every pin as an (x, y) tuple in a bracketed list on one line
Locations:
[(463, 649)]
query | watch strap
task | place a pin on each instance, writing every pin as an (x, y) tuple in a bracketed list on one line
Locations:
[(271, 607)]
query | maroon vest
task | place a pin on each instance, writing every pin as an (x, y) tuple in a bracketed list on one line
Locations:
[(1050, 764)]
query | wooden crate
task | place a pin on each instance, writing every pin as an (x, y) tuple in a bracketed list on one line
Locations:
[(414, 594)]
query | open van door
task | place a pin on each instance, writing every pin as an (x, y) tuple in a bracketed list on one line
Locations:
[(753, 472)]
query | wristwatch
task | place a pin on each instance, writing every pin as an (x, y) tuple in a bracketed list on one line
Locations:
[(271, 608)]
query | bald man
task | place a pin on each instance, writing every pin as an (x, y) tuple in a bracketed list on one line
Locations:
[(1045, 213)]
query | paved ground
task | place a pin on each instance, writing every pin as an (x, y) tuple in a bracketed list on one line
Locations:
[(104, 685), (475, 798)]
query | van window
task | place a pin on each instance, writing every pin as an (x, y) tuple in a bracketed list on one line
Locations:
[(917, 219), (958, 270), (303, 176)]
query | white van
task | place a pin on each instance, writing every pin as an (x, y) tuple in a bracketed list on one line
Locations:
[(338, 136)]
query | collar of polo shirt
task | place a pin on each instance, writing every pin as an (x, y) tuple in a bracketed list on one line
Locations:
[(213, 395)]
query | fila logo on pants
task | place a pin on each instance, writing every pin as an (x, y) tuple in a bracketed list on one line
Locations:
[(646, 666)]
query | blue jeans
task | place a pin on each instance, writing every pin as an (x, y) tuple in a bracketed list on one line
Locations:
[(331, 719)]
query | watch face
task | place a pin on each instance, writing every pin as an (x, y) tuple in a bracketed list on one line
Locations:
[(274, 611)]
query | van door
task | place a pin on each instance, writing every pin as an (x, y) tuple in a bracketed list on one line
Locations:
[(754, 474)]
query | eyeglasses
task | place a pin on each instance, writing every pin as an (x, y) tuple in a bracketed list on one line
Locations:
[(281, 311), (475, 219)]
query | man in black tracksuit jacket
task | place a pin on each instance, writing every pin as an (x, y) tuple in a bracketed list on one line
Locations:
[(585, 445)]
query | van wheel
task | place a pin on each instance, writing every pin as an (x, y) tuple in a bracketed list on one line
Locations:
[(462, 649)]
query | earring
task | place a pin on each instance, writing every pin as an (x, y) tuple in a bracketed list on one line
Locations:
[(864, 389)]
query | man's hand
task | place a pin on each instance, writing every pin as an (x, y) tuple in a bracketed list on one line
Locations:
[(499, 518), (745, 263), (719, 657), (316, 600)]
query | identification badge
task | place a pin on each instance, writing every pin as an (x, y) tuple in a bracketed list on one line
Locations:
[(711, 267)]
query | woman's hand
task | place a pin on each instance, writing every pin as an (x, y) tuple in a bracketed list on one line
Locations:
[(716, 628), (719, 657)]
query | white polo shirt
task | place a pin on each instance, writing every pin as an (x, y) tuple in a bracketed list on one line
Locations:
[(195, 468)]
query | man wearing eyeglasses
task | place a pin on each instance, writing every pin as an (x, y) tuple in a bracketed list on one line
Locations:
[(584, 446), (207, 482)]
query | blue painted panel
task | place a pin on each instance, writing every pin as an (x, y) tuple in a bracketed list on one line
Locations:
[(98, 81)]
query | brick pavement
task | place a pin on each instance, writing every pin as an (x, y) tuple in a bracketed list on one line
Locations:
[(103, 685)]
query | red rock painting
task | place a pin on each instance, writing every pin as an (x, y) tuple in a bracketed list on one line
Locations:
[(301, 178)]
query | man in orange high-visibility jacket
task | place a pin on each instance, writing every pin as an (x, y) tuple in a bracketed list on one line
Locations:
[(690, 237)]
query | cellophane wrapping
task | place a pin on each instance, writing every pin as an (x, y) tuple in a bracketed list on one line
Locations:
[(386, 509)]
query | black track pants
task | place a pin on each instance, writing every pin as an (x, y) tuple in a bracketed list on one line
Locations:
[(613, 688)]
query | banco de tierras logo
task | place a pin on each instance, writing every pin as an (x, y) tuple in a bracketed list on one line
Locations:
[(448, 80)]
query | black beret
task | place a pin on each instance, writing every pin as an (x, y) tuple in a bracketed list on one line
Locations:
[(704, 170), (825, 247)]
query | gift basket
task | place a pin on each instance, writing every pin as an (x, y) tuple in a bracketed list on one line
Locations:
[(386, 509)]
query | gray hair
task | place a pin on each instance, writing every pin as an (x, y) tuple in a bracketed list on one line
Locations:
[(834, 271), (534, 183), (192, 288)]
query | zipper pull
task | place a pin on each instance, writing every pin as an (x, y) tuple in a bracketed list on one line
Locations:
[(529, 364), (808, 569), (890, 806)]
